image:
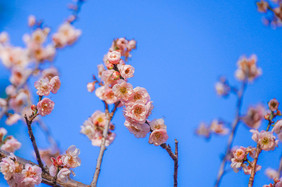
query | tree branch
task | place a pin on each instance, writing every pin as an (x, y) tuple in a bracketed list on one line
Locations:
[(46, 177), (109, 117), (232, 135)]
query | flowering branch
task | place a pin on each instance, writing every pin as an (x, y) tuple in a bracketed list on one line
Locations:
[(109, 117), (233, 132), (258, 151), (46, 177)]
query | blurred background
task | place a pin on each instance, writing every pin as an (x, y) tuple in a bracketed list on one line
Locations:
[(183, 47)]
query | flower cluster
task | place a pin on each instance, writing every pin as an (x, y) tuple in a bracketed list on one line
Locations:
[(272, 10), (247, 69), (240, 159), (62, 164), (216, 127), (114, 88), (17, 174), (8, 143), (94, 126)]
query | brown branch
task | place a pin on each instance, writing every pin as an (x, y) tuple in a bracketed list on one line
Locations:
[(109, 117), (31, 136), (46, 177), (174, 157), (232, 135)]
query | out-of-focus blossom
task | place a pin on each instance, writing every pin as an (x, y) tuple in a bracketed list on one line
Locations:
[(262, 6), (31, 175), (11, 145), (247, 69), (45, 106), (218, 128), (4, 37), (3, 133), (50, 73), (140, 130), (222, 89), (158, 137), (265, 139), (273, 104), (91, 86), (43, 87), (12, 119), (203, 130), (18, 102), (271, 173), (19, 76), (14, 57), (55, 84), (66, 35), (71, 159), (254, 116), (31, 20)]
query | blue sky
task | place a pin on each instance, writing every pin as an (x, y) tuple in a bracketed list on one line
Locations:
[(183, 48)]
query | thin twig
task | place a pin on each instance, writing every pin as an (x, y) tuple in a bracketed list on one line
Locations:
[(31, 136), (232, 134), (46, 177), (109, 117)]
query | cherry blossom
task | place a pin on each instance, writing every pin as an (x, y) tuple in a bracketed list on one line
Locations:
[(31, 175), (11, 145), (71, 159), (45, 106), (158, 137)]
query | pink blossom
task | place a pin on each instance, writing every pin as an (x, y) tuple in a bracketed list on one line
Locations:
[(91, 86), (109, 96), (236, 164), (273, 104), (138, 112), (45, 106), (12, 119), (19, 76), (38, 36), (222, 89), (8, 167), (126, 71), (277, 127), (14, 57), (218, 128), (98, 139), (131, 45), (123, 90), (43, 87), (31, 20), (4, 37), (157, 124), (240, 154), (18, 102), (66, 35), (203, 130), (53, 170), (121, 43), (113, 57), (107, 77), (247, 69), (279, 184), (254, 116), (3, 133), (10, 90), (140, 130), (11, 145), (70, 159), (262, 6), (271, 173), (139, 94), (158, 137), (101, 68), (63, 174), (50, 73), (31, 175), (55, 83), (248, 169), (265, 139)]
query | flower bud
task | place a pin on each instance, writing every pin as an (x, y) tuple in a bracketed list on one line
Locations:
[(33, 107)]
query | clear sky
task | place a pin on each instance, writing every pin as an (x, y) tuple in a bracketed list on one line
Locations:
[(183, 47)]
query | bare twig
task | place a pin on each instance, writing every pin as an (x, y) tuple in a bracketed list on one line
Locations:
[(31, 136), (232, 134), (46, 177)]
